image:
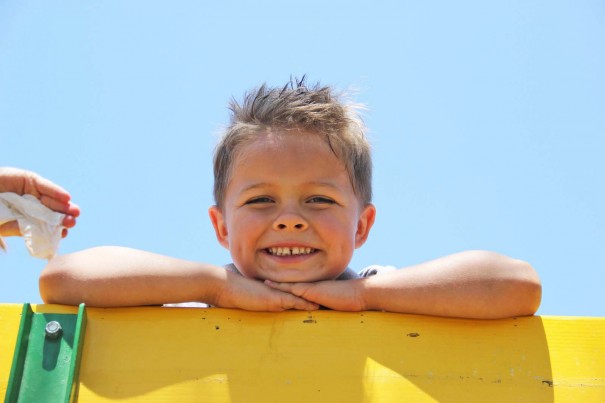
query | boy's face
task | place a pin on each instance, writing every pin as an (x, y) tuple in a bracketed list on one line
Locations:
[(290, 213)]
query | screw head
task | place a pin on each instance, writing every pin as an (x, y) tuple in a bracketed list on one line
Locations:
[(53, 329)]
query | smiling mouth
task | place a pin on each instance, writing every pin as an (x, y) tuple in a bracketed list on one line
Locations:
[(295, 251)]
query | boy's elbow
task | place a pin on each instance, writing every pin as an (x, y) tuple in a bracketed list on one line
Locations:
[(525, 286), (514, 284), (530, 287), (54, 282)]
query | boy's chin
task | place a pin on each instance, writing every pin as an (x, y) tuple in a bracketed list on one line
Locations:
[(298, 278), (290, 275)]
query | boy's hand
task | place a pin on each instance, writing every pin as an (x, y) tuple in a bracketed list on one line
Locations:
[(337, 295), (51, 195), (252, 295)]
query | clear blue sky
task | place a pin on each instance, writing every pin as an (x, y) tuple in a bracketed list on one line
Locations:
[(487, 120)]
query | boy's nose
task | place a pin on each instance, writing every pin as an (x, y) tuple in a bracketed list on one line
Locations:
[(290, 221)]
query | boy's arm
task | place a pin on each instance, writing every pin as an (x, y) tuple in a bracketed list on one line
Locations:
[(474, 284), (116, 276)]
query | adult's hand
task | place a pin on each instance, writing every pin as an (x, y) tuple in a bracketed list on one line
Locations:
[(51, 195)]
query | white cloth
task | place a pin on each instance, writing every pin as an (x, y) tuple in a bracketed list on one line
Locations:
[(40, 226)]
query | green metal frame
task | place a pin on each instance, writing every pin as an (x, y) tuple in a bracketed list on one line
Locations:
[(46, 369)]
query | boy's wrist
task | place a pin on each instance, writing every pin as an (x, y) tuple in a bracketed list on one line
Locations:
[(368, 294), (212, 283)]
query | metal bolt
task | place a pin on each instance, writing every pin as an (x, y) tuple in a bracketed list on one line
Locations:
[(53, 330)]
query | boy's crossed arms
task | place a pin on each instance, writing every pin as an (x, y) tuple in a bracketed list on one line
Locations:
[(473, 284)]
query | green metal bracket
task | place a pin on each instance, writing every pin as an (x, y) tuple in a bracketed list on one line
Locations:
[(47, 357)]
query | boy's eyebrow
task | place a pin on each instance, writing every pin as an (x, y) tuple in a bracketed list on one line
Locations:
[(254, 186), (265, 185), (325, 184)]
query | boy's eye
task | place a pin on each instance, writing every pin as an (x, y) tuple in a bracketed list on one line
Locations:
[(259, 200), (320, 199)]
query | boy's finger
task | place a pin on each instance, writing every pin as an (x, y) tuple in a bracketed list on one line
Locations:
[(299, 290), (303, 305), (286, 287), (290, 300)]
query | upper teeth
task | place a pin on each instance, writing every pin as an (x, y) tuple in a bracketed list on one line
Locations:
[(290, 251)]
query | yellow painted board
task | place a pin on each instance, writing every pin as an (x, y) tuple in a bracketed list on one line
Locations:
[(185, 354), (10, 317)]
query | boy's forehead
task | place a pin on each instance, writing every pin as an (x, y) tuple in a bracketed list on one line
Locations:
[(276, 140), (309, 162), (275, 143)]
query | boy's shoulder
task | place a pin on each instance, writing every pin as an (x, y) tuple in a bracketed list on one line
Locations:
[(372, 270), (376, 269)]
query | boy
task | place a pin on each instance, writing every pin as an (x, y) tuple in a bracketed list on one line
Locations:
[(293, 201)]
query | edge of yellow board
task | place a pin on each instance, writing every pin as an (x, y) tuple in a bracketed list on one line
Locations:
[(182, 354)]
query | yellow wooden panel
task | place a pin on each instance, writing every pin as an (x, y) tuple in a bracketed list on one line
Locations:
[(179, 354), (10, 317), (577, 353)]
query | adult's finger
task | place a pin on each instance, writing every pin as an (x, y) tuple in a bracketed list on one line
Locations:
[(60, 206), (47, 188), (10, 228), (69, 221)]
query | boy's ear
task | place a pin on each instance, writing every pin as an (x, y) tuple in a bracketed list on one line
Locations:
[(364, 225), (220, 227)]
